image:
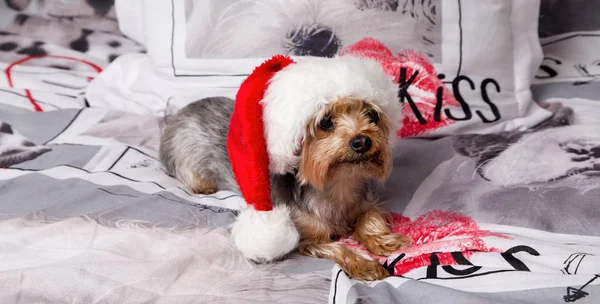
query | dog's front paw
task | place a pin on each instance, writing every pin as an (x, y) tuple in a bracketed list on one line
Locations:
[(205, 187), (366, 270), (206, 190), (386, 244)]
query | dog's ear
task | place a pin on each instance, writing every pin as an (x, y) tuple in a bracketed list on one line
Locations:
[(5, 128)]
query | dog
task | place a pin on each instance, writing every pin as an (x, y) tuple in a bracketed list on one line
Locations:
[(344, 159)]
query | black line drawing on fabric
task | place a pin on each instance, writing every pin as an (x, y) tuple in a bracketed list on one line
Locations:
[(584, 70), (572, 58), (572, 263), (15, 148), (64, 85), (65, 95), (405, 81), (229, 28), (574, 294), (66, 126), (118, 158), (450, 272), (529, 179), (580, 156), (37, 100), (204, 207), (142, 164), (142, 152), (390, 266), (546, 71), (335, 285), (491, 272), (91, 173), (216, 210), (117, 194), (515, 263), (583, 151), (130, 157), (383, 5), (568, 37), (460, 57)]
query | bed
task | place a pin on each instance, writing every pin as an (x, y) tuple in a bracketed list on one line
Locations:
[(88, 215)]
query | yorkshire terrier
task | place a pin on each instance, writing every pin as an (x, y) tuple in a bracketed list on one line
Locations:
[(345, 158)]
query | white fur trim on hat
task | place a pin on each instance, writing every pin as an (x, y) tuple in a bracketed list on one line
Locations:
[(299, 91), (265, 236)]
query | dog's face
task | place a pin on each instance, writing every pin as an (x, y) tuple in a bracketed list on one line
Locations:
[(349, 138)]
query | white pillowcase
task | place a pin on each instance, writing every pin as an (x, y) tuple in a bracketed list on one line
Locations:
[(491, 44)]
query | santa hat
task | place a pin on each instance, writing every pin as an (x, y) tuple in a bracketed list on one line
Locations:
[(272, 108)]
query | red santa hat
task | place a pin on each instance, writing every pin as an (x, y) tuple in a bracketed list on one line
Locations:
[(272, 108)]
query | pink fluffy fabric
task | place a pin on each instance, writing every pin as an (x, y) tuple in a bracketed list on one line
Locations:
[(436, 231), (423, 89)]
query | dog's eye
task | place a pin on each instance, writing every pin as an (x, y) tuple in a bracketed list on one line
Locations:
[(326, 123), (373, 116)]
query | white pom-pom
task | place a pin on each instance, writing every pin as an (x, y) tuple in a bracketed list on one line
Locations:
[(265, 236)]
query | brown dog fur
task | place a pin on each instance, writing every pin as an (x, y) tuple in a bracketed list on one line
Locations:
[(340, 176)]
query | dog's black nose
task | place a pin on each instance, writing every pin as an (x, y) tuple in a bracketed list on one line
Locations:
[(361, 144)]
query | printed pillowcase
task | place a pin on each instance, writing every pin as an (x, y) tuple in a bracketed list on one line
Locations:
[(491, 53), (474, 75)]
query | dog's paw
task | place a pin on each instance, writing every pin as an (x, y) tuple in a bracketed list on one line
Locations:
[(386, 244), (205, 188), (367, 270)]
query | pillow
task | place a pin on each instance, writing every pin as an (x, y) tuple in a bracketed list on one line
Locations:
[(486, 52), (570, 36)]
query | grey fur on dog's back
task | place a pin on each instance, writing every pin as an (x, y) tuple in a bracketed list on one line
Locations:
[(194, 142)]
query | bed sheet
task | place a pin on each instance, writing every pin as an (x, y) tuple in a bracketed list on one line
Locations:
[(89, 202)]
